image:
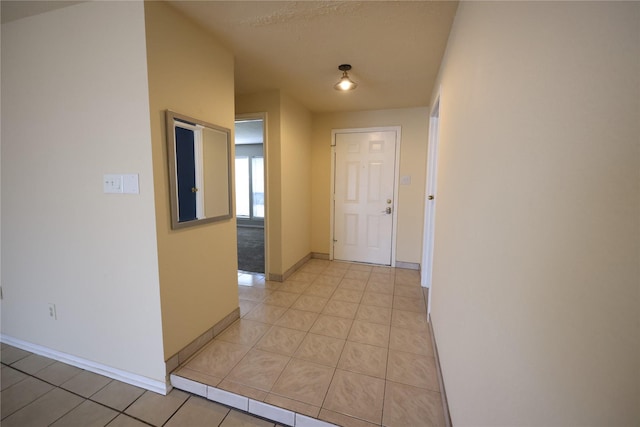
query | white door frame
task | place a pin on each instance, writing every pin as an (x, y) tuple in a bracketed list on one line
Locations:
[(265, 155), (430, 197), (396, 177)]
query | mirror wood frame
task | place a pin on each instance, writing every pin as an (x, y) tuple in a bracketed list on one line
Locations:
[(171, 119)]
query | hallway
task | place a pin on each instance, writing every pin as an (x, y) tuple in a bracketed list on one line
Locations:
[(347, 344)]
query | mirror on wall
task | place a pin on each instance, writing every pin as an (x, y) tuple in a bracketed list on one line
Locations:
[(199, 171)]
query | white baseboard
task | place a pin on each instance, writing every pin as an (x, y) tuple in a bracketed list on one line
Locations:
[(156, 386), (408, 265)]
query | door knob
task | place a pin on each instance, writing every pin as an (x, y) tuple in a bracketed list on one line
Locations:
[(430, 197), (388, 210), (194, 189)]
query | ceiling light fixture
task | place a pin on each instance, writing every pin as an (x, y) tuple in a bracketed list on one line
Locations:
[(345, 82)]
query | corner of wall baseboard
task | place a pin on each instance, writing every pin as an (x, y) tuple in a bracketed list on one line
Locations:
[(443, 392), (156, 386), (296, 266), (319, 255), (203, 339)]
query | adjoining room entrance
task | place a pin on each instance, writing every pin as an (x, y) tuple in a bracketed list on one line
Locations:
[(250, 194)]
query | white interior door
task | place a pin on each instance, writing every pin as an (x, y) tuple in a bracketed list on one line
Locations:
[(364, 196), (430, 201)]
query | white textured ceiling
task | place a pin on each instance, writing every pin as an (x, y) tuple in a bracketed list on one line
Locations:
[(395, 48)]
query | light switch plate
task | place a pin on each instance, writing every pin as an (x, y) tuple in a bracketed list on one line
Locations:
[(405, 180), (112, 183), (130, 184)]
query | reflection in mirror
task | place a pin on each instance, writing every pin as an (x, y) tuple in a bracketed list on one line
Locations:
[(199, 167)]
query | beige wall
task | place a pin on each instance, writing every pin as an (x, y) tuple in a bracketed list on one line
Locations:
[(535, 296), (288, 151), (189, 73), (75, 107), (414, 123), (296, 181), (269, 103)]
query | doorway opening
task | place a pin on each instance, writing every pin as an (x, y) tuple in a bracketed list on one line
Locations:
[(250, 193)]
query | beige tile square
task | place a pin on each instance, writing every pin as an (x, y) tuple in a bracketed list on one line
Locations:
[(377, 299), (407, 277), (315, 266), (356, 395), (244, 332), (381, 288), (58, 373), (412, 369), (21, 394), (343, 420), (310, 303), (302, 276), (118, 395), (409, 304), (253, 293), (11, 355), (218, 358), (357, 274), (340, 309), (348, 295), (198, 411), (319, 291), (297, 319), (373, 314), (44, 410), (355, 284), (86, 383), (123, 420), (32, 363), (369, 333), (9, 377), (87, 414), (364, 359), (328, 278), (382, 278), (246, 306), (293, 405), (360, 267), (331, 326), (258, 369), (240, 419), (199, 377), (320, 349), (405, 405), (243, 390), (265, 313), (410, 320), (332, 271), (408, 291), (282, 299), (294, 286), (246, 279), (155, 408), (411, 341), (304, 382), (281, 340)]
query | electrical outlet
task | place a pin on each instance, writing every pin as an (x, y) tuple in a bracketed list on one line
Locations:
[(52, 312)]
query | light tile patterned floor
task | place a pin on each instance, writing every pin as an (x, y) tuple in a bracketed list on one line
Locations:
[(38, 392), (345, 343)]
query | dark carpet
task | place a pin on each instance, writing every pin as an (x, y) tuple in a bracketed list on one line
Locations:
[(251, 249)]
